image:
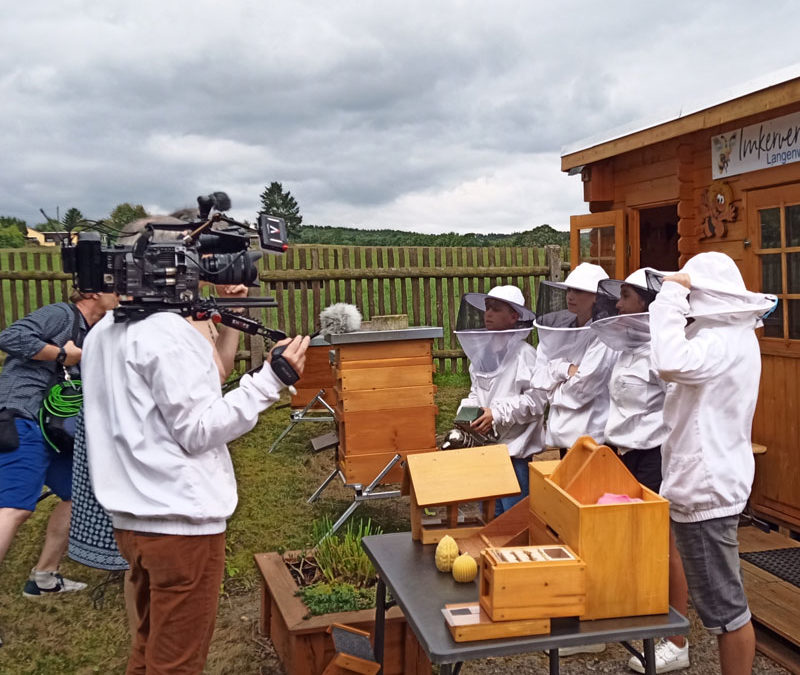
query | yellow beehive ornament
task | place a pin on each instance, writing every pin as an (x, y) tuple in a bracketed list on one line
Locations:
[(446, 553), (465, 569)]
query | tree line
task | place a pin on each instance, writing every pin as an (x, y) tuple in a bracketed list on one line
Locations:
[(279, 202)]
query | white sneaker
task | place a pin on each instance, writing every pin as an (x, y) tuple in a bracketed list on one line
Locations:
[(40, 584), (669, 657), (582, 649)]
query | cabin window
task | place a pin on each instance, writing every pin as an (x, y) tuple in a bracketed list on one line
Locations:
[(598, 246), (778, 252)]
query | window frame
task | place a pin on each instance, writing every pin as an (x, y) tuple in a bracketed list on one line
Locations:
[(779, 197)]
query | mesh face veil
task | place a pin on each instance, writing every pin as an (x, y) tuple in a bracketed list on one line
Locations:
[(619, 315), (491, 326)]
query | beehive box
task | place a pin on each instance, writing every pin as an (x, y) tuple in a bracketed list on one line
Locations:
[(532, 582), (317, 374), (384, 402), (625, 546)]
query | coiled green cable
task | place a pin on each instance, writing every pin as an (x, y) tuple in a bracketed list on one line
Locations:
[(64, 399)]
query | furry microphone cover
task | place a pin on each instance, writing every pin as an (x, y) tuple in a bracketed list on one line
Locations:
[(339, 318)]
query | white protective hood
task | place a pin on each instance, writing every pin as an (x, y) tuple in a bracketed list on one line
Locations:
[(718, 293)]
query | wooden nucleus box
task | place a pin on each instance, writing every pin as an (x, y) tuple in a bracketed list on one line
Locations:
[(383, 400), (532, 582), (625, 546)]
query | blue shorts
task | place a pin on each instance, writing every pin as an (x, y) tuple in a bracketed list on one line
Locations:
[(26, 470), (710, 553)]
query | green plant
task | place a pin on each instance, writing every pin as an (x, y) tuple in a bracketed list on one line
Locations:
[(323, 598), (340, 557)]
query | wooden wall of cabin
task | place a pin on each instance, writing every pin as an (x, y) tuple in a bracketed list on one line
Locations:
[(679, 170)]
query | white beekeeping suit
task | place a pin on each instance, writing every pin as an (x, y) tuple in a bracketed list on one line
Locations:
[(636, 406), (501, 369), (573, 365), (704, 344)]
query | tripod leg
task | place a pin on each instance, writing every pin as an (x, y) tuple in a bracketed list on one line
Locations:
[(283, 435), (325, 484)]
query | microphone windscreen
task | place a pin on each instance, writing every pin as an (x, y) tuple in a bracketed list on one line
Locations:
[(339, 318)]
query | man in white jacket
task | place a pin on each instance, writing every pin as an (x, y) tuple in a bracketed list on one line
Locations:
[(714, 365), (157, 426)]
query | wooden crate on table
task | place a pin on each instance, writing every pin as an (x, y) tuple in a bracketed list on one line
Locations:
[(625, 546), (455, 477), (532, 582)]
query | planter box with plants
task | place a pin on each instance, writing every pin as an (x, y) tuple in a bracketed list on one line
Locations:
[(303, 593)]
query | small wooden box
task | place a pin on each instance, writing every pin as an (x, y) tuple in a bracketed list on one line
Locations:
[(532, 582), (625, 546)]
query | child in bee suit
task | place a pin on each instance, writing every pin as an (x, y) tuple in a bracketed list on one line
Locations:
[(492, 328), (703, 339), (636, 424), (573, 364)]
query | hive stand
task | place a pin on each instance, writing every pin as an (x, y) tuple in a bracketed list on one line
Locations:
[(625, 546), (453, 477), (314, 398)]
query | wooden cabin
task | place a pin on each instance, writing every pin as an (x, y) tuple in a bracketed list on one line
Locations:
[(719, 177)]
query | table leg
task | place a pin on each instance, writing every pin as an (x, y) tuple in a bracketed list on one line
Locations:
[(380, 621), (554, 664), (649, 646), (446, 669)]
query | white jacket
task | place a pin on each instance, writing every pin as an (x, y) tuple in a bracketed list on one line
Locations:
[(157, 425), (578, 404), (715, 365), (636, 410), (517, 409)]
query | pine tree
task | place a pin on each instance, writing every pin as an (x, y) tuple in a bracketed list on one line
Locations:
[(276, 202)]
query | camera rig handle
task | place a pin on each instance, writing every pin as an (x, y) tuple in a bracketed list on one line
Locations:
[(219, 310)]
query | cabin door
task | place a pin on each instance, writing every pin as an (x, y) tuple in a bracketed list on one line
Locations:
[(654, 238), (599, 238)]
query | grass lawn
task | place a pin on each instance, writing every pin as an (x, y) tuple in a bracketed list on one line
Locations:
[(76, 635)]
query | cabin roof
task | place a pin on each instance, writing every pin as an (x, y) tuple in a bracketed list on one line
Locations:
[(778, 88)]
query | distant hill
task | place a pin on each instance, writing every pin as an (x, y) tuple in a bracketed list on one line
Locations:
[(351, 236)]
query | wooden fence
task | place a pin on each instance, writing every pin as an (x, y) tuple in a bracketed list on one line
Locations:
[(426, 283)]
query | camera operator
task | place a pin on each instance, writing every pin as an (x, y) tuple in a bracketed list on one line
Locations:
[(157, 426)]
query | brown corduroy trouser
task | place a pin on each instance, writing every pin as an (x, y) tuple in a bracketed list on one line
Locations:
[(175, 580)]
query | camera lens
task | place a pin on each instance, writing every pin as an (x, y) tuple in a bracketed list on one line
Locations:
[(230, 268)]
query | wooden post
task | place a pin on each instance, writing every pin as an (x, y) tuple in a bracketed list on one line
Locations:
[(552, 258)]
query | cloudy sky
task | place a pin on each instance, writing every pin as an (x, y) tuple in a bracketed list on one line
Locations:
[(429, 116)]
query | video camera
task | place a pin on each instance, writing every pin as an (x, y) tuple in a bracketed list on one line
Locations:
[(163, 269)]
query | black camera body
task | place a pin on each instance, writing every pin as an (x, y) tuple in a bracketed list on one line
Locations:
[(163, 269)]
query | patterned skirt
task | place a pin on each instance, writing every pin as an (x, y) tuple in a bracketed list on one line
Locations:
[(91, 535)]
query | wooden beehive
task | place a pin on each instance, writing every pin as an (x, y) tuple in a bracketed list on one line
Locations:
[(317, 374), (454, 477), (532, 582), (384, 404), (625, 546)]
